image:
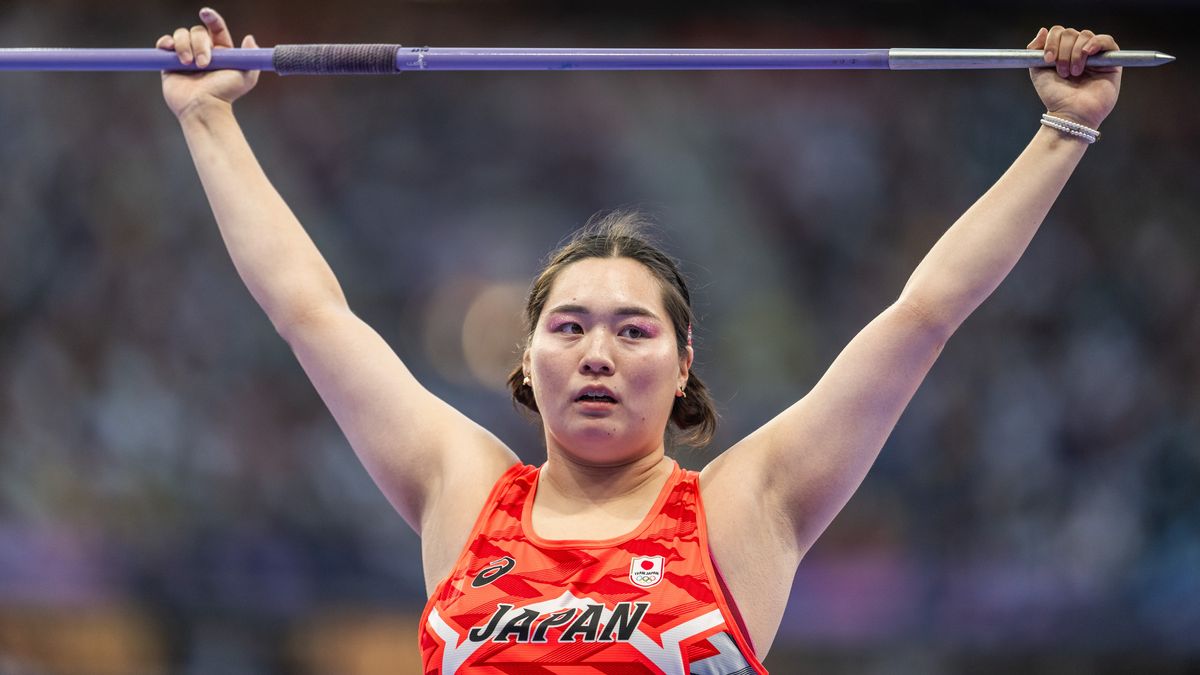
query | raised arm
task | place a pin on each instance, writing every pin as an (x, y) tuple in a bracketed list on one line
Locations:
[(803, 466), (419, 450), (981, 248)]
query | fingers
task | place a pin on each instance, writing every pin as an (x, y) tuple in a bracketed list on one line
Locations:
[(1106, 42), (1052, 43), (1101, 43), (1039, 40), (195, 44), (216, 27), (1068, 49), (182, 38), (1066, 43), (201, 45), (1078, 59), (248, 42)]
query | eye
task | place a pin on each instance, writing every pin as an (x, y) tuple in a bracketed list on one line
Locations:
[(634, 332), (567, 327)]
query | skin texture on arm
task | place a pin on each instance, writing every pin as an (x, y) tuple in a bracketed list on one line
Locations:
[(781, 486), (423, 454)]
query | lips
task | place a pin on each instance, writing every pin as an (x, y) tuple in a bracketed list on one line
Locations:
[(595, 394)]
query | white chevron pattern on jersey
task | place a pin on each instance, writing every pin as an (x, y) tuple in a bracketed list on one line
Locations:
[(730, 660)]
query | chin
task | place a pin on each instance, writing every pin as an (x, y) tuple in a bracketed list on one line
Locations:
[(600, 445)]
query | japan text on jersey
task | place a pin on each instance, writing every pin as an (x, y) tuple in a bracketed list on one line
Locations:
[(575, 626)]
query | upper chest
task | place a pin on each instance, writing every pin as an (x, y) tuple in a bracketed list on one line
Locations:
[(596, 524)]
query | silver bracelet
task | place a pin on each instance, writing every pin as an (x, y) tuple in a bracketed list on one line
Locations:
[(1084, 133), (1072, 125)]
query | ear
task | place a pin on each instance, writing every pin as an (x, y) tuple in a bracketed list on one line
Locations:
[(525, 363), (685, 364)]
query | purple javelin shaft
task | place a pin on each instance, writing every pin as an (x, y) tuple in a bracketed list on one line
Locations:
[(127, 59), (363, 59), (516, 58), (453, 58)]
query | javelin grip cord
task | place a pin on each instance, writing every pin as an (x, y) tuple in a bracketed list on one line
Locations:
[(334, 59)]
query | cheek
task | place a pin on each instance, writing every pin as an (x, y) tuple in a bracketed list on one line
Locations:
[(653, 372), (549, 364)]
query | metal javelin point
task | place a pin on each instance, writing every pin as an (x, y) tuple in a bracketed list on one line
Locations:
[(338, 59)]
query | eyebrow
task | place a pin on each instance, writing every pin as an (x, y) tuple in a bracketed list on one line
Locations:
[(632, 310)]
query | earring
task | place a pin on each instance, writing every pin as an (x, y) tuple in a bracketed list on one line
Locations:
[(681, 393), (527, 382)]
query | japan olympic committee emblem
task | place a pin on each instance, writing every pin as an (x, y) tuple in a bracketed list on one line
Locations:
[(646, 571)]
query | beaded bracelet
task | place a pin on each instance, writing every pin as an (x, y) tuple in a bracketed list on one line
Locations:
[(1086, 134)]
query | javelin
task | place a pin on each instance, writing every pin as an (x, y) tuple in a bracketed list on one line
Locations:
[(378, 59)]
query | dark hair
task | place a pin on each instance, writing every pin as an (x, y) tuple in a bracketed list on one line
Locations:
[(622, 234)]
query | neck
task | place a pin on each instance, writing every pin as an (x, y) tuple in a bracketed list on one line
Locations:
[(589, 484)]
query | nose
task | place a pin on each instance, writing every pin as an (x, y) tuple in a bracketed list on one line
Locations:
[(597, 355)]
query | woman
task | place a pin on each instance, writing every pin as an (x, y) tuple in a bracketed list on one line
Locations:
[(605, 556)]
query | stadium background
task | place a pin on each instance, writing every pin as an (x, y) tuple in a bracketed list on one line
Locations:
[(175, 499)]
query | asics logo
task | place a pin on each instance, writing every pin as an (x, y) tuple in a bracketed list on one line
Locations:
[(493, 571)]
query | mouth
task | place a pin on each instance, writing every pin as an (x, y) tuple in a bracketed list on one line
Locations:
[(596, 396)]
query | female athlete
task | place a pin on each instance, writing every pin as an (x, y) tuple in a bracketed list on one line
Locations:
[(610, 556)]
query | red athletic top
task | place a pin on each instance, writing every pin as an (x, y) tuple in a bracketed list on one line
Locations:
[(650, 601)]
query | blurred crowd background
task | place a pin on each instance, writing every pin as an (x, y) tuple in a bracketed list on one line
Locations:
[(174, 498)]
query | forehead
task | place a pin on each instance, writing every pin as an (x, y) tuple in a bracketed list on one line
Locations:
[(604, 283)]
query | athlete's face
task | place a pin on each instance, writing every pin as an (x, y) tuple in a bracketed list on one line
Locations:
[(604, 363)]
